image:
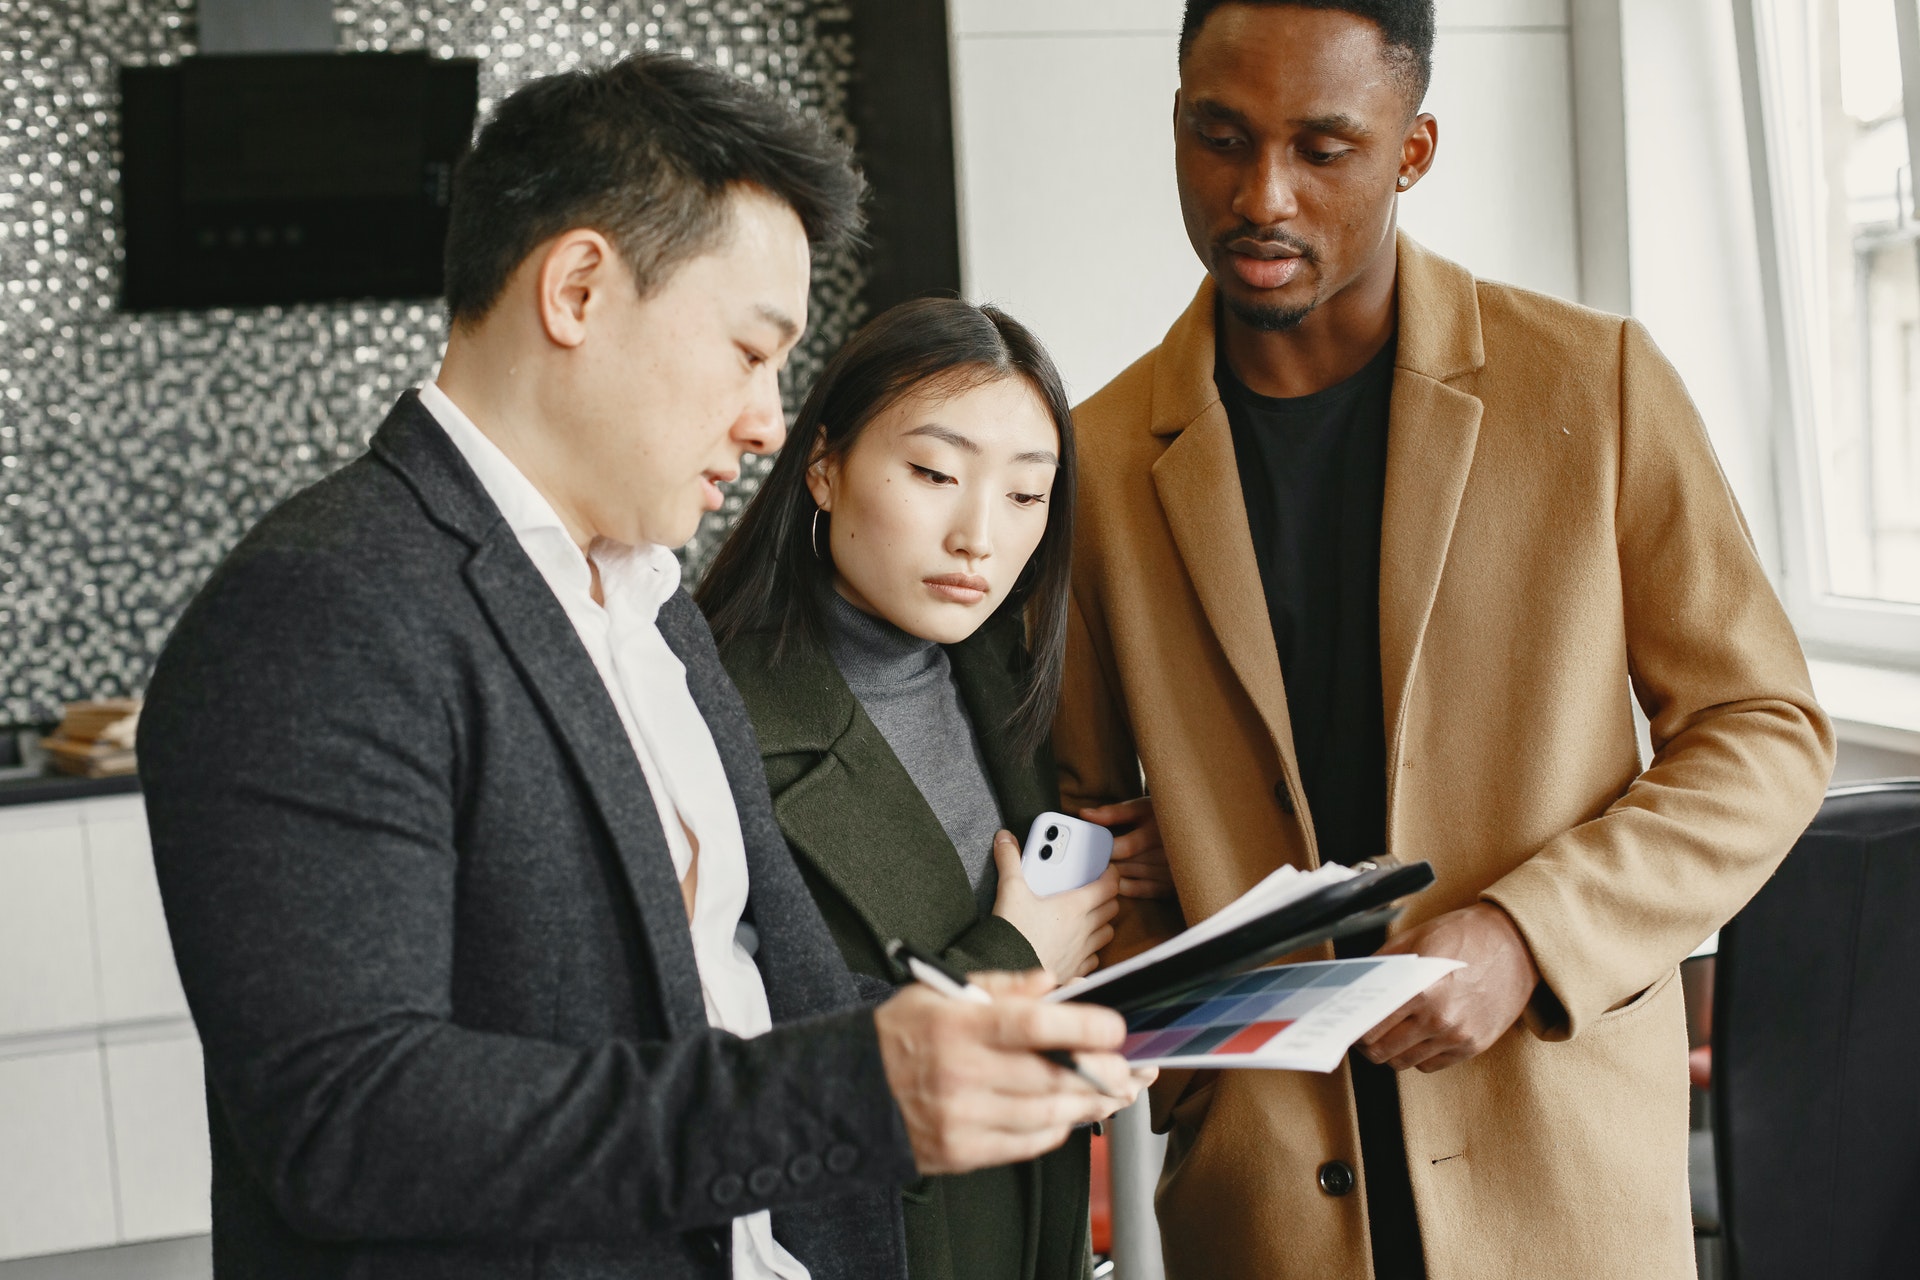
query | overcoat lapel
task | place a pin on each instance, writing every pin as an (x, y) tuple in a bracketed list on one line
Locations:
[(540, 640), (1198, 483), (1432, 433)]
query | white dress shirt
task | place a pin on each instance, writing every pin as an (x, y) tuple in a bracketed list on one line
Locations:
[(670, 737)]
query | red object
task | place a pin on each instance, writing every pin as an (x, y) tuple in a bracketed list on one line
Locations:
[(1700, 1067), (1252, 1036), (1102, 1203)]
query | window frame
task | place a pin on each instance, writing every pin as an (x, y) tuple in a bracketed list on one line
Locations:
[(1783, 165)]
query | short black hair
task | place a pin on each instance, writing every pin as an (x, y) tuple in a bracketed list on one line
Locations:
[(643, 151), (1407, 26)]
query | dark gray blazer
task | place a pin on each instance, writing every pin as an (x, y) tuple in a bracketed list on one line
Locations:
[(432, 937)]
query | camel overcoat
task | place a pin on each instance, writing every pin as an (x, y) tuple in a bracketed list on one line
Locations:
[(1557, 540)]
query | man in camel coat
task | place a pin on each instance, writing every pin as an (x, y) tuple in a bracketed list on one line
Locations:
[(1373, 557)]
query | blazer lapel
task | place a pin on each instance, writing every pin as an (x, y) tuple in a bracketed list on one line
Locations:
[(1198, 483), (1430, 446), (539, 638), (799, 964), (537, 634)]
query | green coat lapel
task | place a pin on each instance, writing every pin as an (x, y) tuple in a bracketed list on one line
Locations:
[(989, 668), (848, 806), (858, 824)]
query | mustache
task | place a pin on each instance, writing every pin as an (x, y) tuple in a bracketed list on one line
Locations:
[(1247, 233)]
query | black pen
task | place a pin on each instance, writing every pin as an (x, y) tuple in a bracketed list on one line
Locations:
[(931, 972)]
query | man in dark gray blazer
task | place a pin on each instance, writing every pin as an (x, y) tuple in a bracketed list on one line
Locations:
[(498, 958)]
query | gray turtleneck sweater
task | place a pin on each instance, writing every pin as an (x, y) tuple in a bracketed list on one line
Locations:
[(906, 686)]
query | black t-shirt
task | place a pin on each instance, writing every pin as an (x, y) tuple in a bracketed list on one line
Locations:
[(1313, 470)]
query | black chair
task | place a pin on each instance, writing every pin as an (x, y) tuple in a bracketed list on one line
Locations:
[(1816, 1051)]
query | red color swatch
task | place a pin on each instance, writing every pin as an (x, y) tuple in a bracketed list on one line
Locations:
[(1251, 1037)]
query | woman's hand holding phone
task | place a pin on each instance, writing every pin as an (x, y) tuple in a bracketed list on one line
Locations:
[(1066, 930)]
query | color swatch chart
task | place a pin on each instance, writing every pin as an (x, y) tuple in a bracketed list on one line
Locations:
[(1297, 1017)]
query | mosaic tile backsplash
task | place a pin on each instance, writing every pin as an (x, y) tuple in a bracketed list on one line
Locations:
[(136, 450)]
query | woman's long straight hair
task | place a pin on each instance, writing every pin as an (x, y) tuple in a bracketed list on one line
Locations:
[(769, 574)]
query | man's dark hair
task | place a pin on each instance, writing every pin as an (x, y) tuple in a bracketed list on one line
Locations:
[(644, 152), (1407, 27)]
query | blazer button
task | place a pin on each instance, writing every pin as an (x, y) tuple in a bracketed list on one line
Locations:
[(803, 1169), (764, 1181), (1284, 796), (841, 1158), (1336, 1177), (727, 1188)]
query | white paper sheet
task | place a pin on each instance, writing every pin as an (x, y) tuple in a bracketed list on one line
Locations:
[(1298, 1017)]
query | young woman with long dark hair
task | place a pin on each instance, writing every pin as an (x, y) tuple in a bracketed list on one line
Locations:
[(893, 607)]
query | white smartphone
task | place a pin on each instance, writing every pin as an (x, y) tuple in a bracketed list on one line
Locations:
[(1064, 853)]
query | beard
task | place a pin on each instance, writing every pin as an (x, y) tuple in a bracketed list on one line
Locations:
[(1270, 319), (1264, 318)]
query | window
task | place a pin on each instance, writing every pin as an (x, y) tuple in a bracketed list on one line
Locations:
[(1832, 88)]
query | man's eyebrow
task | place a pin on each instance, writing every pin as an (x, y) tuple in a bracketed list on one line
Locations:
[(947, 435), (788, 327), (1338, 123), (1213, 109)]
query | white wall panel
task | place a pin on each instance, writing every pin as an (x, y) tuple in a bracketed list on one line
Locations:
[(1071, 218), (1502, 13), (137, 975), (1694, 252), (56, 1184), (47, 977), (161, 1158), (1501, 196), (1001, 17)]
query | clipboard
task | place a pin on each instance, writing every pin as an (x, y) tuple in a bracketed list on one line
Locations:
[(1368, 900)]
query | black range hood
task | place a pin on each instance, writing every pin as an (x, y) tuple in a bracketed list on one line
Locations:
[(279, 178)]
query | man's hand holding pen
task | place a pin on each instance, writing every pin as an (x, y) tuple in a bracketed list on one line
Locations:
[(970, 1080)]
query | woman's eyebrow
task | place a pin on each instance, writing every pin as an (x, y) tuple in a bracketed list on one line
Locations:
[(947, 435), (936, 431)]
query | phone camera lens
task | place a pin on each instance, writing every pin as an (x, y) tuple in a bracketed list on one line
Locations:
[(1053, 833), (1046, 851)]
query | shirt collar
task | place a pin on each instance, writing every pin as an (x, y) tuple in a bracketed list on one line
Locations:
[(524, 506), (644, 576)]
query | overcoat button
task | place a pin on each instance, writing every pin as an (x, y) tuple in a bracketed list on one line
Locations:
[(727, 1188), (764, 1181), (1284, 796), (1336, 1177), (803, 1169), (841, 1158)]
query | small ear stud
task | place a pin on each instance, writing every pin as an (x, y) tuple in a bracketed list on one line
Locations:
[(1405, 182)]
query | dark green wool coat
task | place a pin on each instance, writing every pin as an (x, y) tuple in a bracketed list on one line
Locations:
[(881, 867)]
